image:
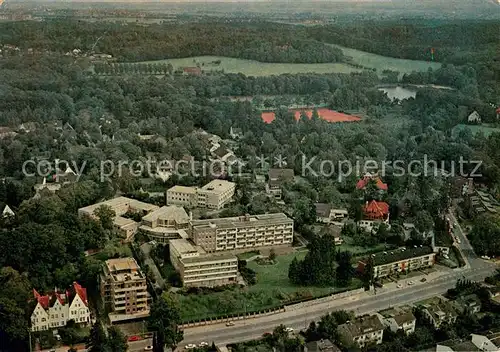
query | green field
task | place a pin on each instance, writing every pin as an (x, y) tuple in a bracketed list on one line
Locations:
[(486, 129), (255, 68), (386, 63), (271, 290)]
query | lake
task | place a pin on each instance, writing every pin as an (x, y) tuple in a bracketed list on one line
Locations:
[(399, 92)]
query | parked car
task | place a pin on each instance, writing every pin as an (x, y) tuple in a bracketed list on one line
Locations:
[(289, 329), (148, 348), (399, 285), (203, 344), (423, 279), (229, 323), (190, 346), (134, 338)]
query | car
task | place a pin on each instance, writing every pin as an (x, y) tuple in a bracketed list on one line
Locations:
[(423, 279), (134, 338), (229, 323), (190, 346), (289, 329), (203, 344), (409, 283), (458, 240), (148, 348), (400, 285)]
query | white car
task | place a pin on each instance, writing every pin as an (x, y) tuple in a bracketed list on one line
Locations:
[(229, 323), (190, 346), (410, 283), (399, 285), (148, 348), (289, 329), (203, 344), (458, 240)]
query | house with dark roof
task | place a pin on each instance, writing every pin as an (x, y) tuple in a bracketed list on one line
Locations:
[(363, 331), (469, 304), (325, 213), (438, 310), (323, 345), (55, 309), (276, 179)]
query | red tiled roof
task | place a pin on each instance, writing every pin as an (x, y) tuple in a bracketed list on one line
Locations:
[(324, 114), (80, 291), (364, 181), (43, 300), (376, 210)]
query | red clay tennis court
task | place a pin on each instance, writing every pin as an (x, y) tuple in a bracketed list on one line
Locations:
[(324, 114)]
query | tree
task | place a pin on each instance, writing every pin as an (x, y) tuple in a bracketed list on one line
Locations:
[(164, 319), (97, 341), (344, 271), (485, 235), (117, 342), (423, 221), (106, 216), (272, 255)]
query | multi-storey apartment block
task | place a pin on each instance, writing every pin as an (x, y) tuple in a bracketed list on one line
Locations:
[(247, 231), (198, 268), (365, 330), (399, 260), (121, 206), (56, 309), (168, 222), (214, 195), (124, 289)]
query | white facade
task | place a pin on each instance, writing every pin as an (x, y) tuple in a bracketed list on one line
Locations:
[(55, 310)]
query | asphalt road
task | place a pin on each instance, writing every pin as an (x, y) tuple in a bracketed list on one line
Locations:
[(136, 346), (249, 329)]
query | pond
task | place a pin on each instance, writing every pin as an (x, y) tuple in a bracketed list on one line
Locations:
[(399, 92)]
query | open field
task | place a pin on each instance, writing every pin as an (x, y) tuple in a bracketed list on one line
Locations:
[(271, 290), (254, 68), (486, 129), (381, 63)]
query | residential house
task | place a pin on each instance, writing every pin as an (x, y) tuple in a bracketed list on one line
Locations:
[(363, 331), (335, 231), (124, 290), (369, 177), (276, 178), (474, 117), (374, 213), (235, 133), (325, 213), (484, 343), (479, 202), (7, 212), (439, 311), (399, 260), (399, 318), (469, 304), (54, 310), (6, 132), (323, 345)]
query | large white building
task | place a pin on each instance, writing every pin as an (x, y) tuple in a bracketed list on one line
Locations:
[(56, 309), (214, 195), (197, 268), (166, 223), (249, 231)]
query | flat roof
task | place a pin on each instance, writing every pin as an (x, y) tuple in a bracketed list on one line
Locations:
[(118, 202), (218, 186), (243, 221), (121, 221), (119, 264), (182, 246), (182, 189), (396, 255), (171, 212)]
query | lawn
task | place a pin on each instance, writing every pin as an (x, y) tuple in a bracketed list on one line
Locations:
[(485, 128), (255, 68), (381, 63), (271, 290), (358, 250), (247, 255)]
